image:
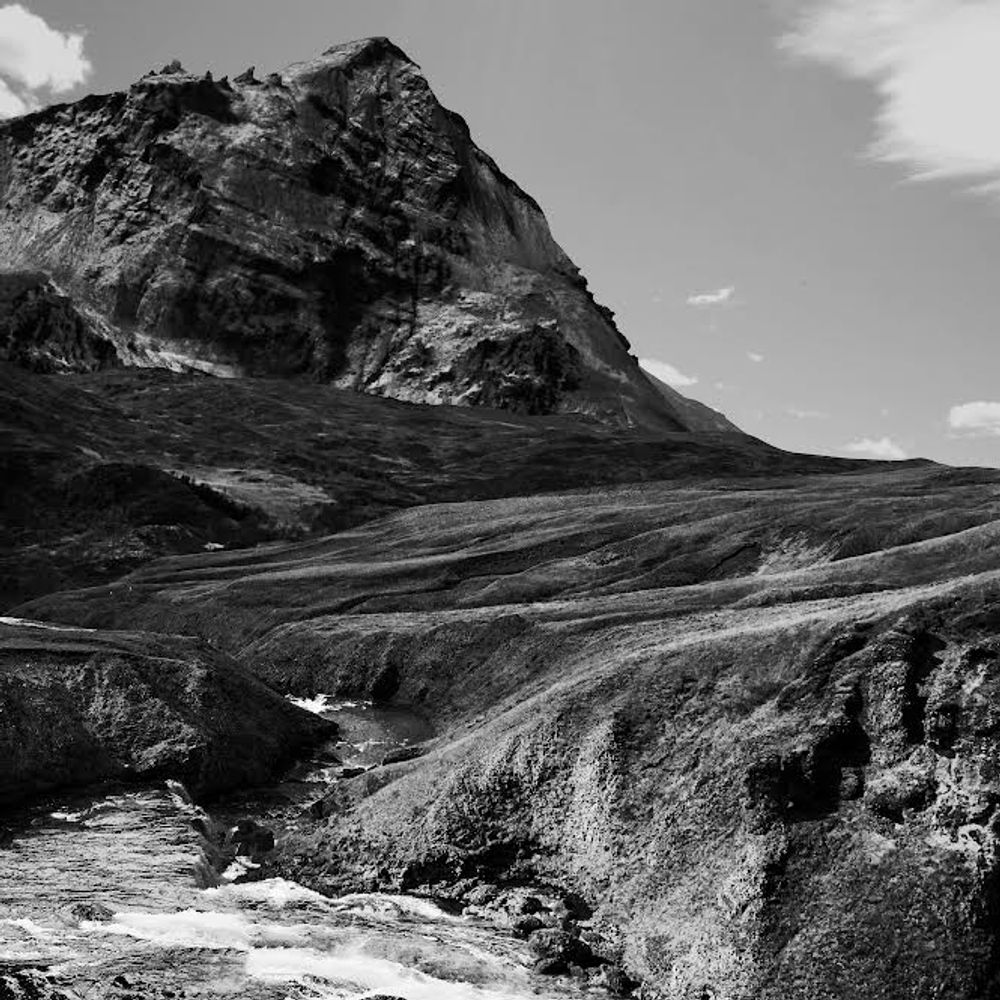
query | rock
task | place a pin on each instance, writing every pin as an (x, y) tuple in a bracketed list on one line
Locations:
[(96, 912), (576, 907), (614, 979), (403, 754), (526, 926), (559, 946), (550, 967), (346, 773), (250, 837), (30, 984), (337, 223), (482, 894), (43, 331), (909, 785)]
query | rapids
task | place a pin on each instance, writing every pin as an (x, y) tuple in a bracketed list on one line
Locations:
[(118, 894)]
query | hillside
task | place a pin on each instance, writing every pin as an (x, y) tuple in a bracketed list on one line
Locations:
[(103, 472), (750, 722)]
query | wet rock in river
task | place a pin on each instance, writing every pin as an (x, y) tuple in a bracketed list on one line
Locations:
[(557, 950), (96, 912), (251, 837)]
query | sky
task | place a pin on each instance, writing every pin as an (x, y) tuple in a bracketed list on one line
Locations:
[(793, 206)]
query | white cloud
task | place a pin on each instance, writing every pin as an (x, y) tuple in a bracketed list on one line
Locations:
[(883, 447), (976, 419), (35, 57), (755, 357), (667, 373), (10, 104), (934, 65), (717, 298)]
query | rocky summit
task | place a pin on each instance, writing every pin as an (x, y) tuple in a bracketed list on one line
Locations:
[(493, 668), (331, 220)]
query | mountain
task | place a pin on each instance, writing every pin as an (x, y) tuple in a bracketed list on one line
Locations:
[(701, 718), (331, 220)]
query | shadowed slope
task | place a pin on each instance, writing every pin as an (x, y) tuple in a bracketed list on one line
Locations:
[(103, 472)]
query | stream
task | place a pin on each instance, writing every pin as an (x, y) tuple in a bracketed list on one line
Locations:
[(113, 895)]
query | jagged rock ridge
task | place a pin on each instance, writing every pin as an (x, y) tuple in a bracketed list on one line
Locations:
[(333, 220)]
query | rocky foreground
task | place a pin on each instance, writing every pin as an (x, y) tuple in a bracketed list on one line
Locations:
[(750, 723)]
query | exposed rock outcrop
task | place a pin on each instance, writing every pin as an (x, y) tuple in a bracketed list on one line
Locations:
[(41, 329), (77, 707), (333, 220)]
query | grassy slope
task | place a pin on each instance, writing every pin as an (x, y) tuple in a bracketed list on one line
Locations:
[(753, 720), (103, 472)]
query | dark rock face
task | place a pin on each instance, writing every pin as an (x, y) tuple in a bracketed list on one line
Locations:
[(77, 707), (334, 221), (41, 329)]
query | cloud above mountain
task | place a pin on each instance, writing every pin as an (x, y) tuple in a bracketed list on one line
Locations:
[(883, 448), (36, 60), (667, 373), (717, 298), (934, 67), (980, 419)]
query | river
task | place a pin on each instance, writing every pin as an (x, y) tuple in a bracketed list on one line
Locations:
[(116, 895)]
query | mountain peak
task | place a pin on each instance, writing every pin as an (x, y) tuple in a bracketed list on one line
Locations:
[(372, 49), (331, 221)]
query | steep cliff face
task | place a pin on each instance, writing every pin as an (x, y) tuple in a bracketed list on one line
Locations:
[(332, 220)]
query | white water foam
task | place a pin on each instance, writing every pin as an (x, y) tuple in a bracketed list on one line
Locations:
[(237, 868), (275, 892), (382, 906), (69, 817), (48, 626), (355, 973), (322, 703)]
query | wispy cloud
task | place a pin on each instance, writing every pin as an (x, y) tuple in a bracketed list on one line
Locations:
[(717, 298), (934, 66), (36, 60), (980, 419), (794, 411), (755, 357), (667, 373), (883, 447)]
